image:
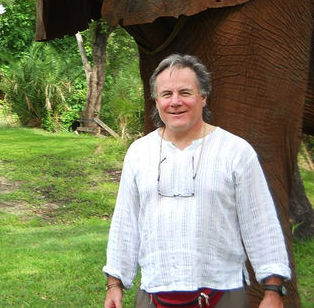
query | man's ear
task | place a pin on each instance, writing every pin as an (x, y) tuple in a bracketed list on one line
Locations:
[(204, 100)]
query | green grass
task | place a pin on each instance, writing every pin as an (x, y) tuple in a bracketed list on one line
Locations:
[(308, 181), (71, 172), (303, 252), (56, 199), (60, 265), (54, 266)]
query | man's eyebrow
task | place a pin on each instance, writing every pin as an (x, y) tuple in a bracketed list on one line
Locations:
[(186, 89), (165, 91), (180, 90)]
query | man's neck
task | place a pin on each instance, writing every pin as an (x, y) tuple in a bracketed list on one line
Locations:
[(183, 139)]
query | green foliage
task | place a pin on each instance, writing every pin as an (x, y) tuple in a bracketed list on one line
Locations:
[(67, 49), (17, 28), (123, 107), (308, 141), (122, 102), (37, 87), (45, 85), (93, 28), (122, 50), (75, 103), (37, 76)]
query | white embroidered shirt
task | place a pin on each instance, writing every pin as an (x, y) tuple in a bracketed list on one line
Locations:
[(185, 243)]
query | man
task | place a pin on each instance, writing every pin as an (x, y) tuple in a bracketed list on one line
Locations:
[(190, 195)]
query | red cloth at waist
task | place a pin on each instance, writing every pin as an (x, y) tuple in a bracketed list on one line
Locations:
[(191, 299)]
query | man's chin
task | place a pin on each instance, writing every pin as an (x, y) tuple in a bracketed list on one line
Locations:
[(178, 127)]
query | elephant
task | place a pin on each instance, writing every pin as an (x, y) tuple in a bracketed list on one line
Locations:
[(260, 53)]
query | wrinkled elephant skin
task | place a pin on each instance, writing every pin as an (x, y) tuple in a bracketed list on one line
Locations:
[(140, 12), (308, 112)]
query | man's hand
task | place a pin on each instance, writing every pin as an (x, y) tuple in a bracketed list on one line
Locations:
[(272, 299), (114, 298), (114, 293)]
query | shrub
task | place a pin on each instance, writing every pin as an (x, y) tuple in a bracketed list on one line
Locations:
[(37, 87)]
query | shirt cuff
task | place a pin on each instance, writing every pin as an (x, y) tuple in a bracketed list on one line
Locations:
[(273, 269), (107, 270)]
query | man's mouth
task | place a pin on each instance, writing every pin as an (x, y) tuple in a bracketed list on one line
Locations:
[(177, 112)]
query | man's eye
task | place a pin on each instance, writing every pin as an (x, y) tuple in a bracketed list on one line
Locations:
[(186, 93), (166, 95)]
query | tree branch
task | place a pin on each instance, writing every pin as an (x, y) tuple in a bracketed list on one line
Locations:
[(87, 66)]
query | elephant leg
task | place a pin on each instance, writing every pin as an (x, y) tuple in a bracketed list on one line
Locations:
[(308, 115), (258, 53), (301, 210)]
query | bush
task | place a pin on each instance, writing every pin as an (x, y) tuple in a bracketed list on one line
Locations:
[(123, 99), (123, 106), (38, 86)]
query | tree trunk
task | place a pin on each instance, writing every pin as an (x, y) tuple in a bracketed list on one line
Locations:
[(95, 74)]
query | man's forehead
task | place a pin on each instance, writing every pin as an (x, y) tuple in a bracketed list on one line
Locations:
[(174, 74)]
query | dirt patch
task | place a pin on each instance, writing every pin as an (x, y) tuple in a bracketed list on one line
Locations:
[(114, 174), (26, 211), (14, 208), (23, 208), (7, 186), (47, 210)]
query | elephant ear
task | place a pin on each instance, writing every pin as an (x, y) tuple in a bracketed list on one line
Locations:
[(132, 12), (56, 18)]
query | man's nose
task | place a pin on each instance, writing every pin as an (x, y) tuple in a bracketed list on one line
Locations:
[(175, 99)]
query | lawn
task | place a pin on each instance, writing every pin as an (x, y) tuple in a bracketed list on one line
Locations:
[(64, 176), (53, 266), (57, 193)]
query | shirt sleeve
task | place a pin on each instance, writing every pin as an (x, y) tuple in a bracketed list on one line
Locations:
[(123, 242), (260, 228)]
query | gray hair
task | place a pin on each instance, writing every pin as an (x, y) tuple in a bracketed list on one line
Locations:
[(182, 61)]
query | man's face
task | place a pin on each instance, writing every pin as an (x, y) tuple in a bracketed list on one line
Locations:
[(178, 101)]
